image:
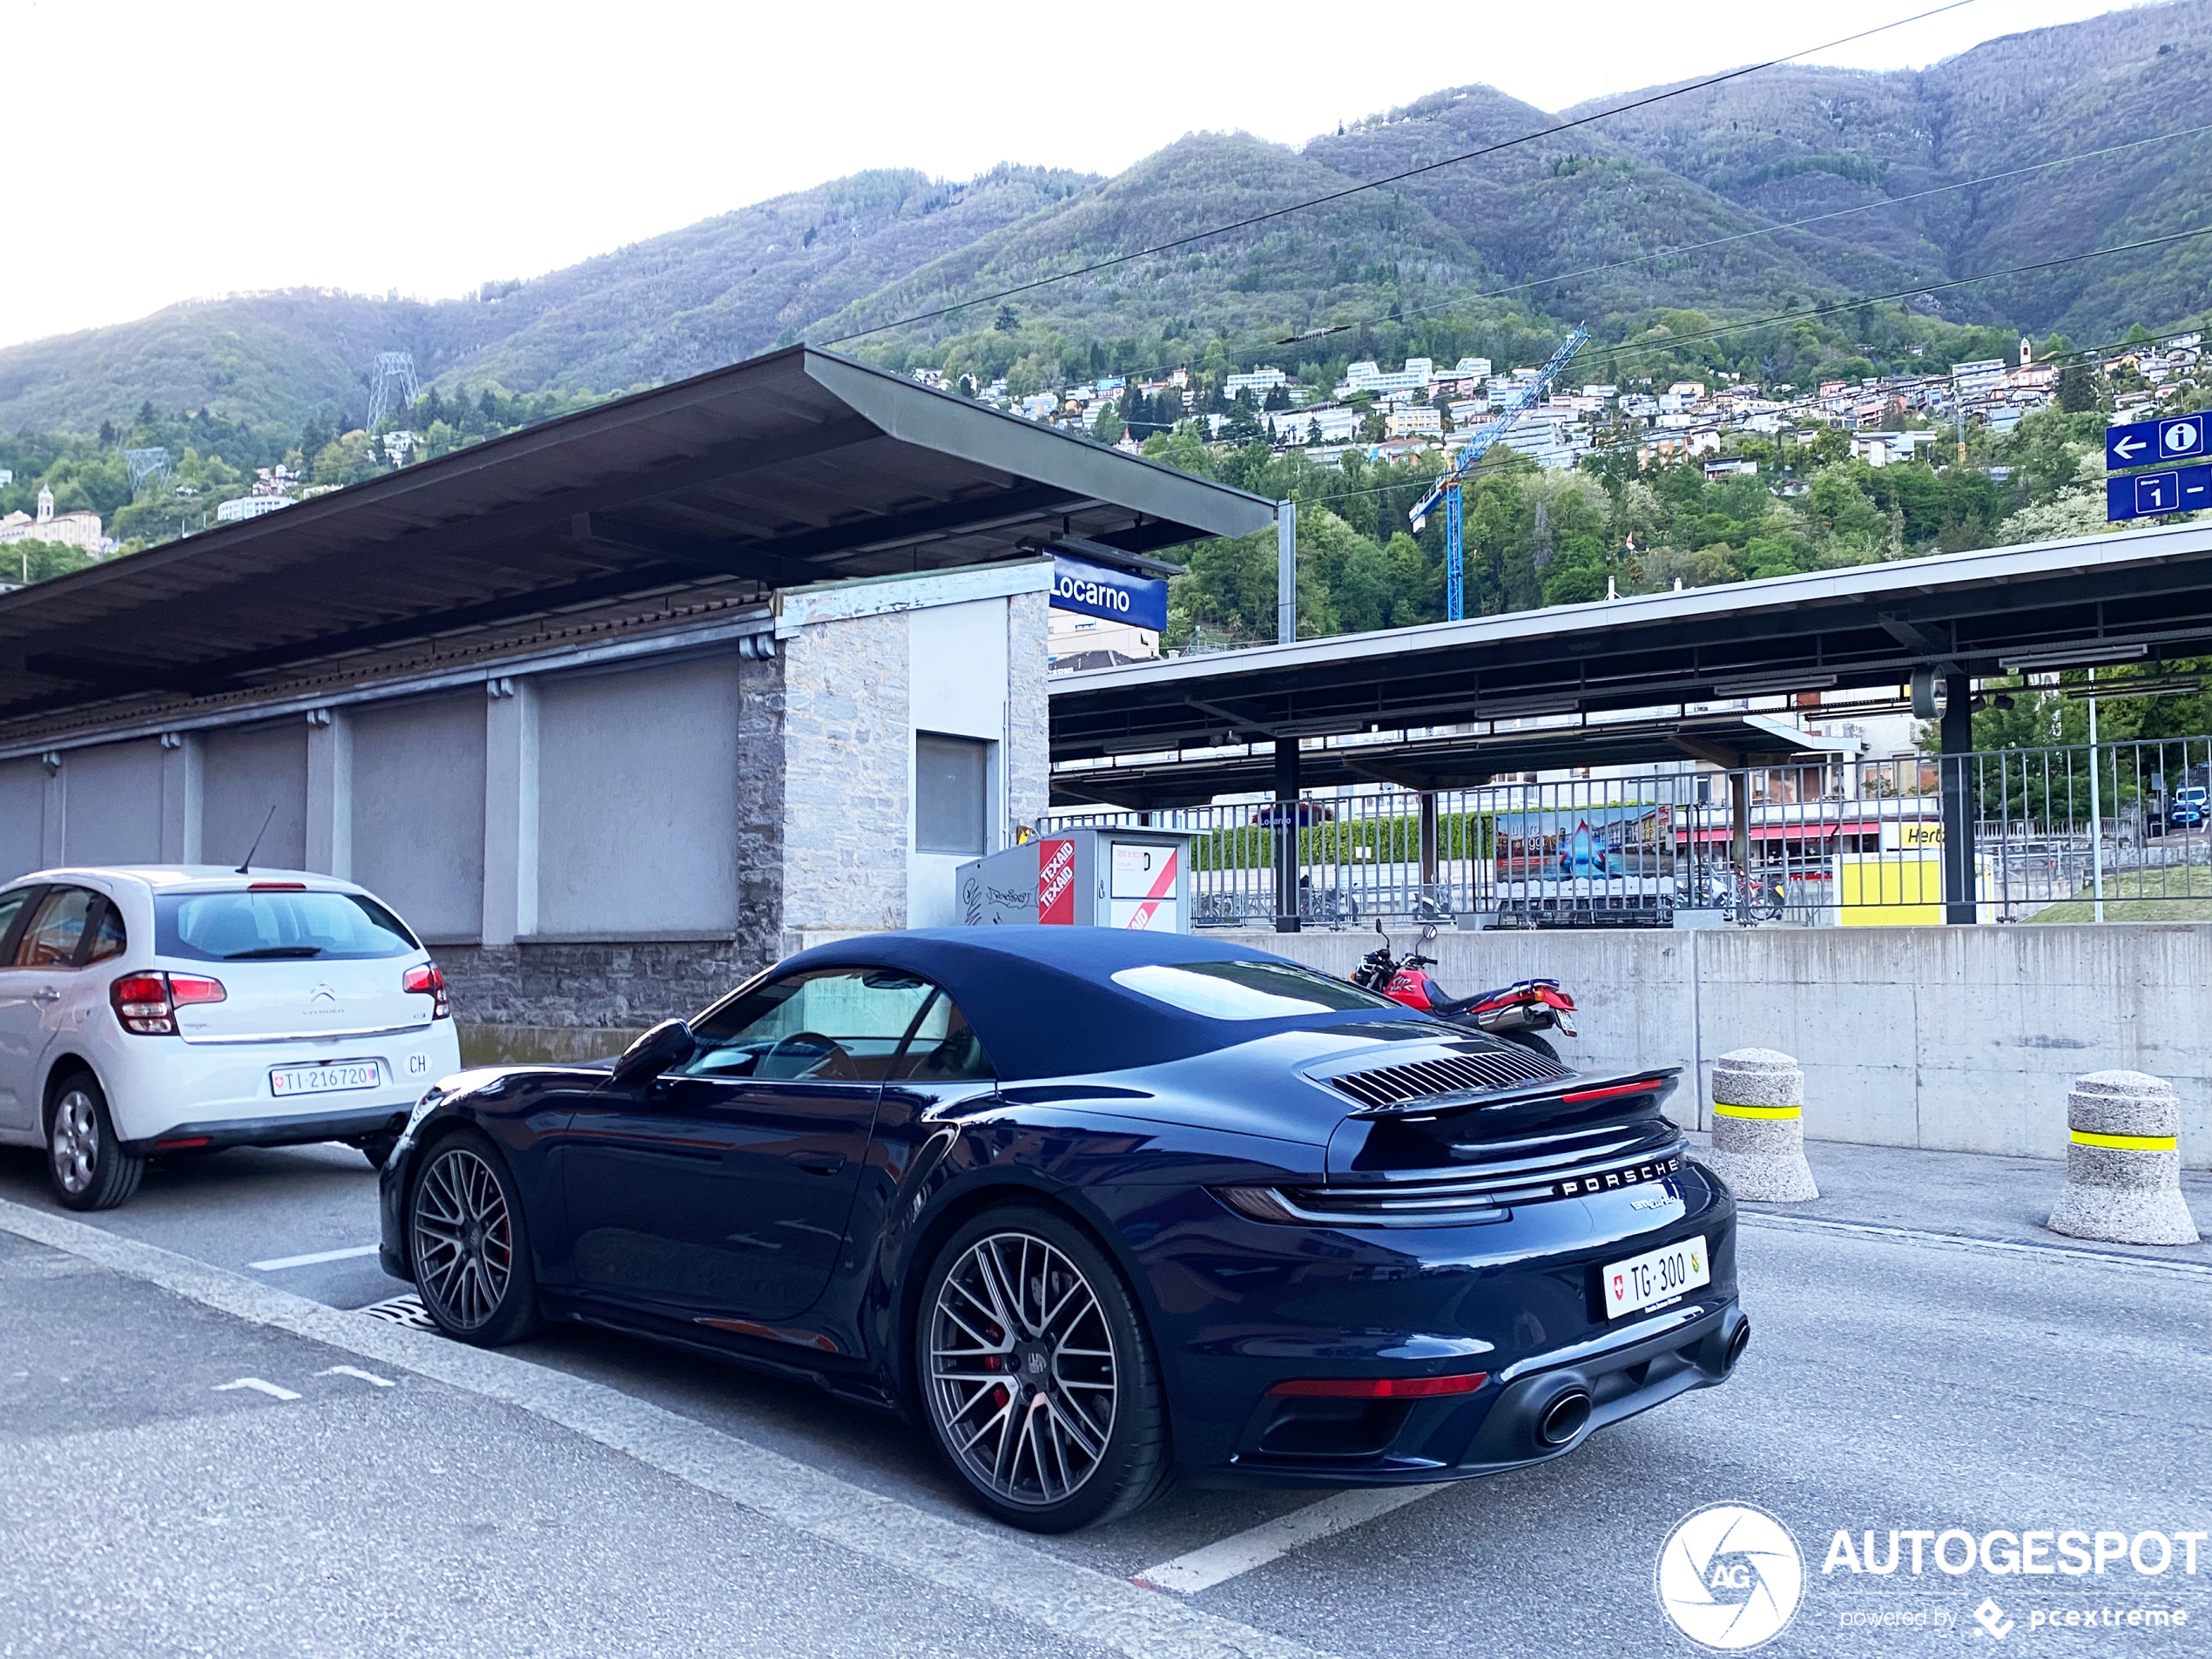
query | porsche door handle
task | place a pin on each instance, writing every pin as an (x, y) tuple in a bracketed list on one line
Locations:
[(818, 1163), (46, 994)]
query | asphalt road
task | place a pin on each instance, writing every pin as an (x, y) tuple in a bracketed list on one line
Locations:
[(1892, 1383)]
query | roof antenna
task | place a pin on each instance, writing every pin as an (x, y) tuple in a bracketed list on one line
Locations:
[(256, 847)]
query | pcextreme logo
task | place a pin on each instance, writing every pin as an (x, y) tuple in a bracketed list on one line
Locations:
[(1730, 1577)]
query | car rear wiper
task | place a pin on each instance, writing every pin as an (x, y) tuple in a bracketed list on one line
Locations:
[(272, 953)]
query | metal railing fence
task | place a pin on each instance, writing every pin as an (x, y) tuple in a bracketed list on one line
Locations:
[(2120, 833)]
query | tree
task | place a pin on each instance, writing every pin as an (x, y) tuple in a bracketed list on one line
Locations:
[(1107, 427), (1008, 321), (2077, 391)]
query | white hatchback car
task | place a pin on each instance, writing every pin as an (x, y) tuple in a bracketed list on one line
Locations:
[(183, 1008)]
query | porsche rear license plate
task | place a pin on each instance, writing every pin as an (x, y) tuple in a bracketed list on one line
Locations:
[(1656, 1277), (326, 1080)]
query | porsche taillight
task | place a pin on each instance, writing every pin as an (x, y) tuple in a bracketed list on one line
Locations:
[(424, 980), (146, 1004)]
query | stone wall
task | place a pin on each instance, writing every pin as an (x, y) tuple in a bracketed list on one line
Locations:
[(847, 756), (1028, 721)]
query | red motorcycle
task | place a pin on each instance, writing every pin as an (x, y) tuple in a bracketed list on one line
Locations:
[(1518, 1013)]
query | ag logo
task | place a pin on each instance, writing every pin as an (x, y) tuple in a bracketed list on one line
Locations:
[(1730, 1577)]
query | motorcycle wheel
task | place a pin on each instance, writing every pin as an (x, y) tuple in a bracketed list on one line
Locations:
[(1531, 1039)]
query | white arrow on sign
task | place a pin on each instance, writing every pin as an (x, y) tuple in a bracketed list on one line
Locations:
[(2126, 446)]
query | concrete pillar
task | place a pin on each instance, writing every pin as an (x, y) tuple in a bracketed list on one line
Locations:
[(1287, 837), (330, 793), (182, 814), (1956, 774), (53, 816), (510, 811), (1758, 1127), (2123, 1163)]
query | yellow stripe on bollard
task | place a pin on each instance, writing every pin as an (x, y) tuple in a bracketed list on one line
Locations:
[(2123, 1143), (1723, 1109)]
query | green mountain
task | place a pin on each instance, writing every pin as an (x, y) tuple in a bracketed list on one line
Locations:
[(1504, 246)]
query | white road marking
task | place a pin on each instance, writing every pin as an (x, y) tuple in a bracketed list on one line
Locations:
[(992, 1565), (2098, 1259), (283, 1262), (1201, 1570), (355, 1371), (257, 1384)]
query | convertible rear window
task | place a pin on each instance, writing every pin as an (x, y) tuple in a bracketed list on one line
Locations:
[(276, 927), (1247, 989)]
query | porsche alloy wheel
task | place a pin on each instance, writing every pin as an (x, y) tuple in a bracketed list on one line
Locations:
[(465, 1236), (1026, 1379)]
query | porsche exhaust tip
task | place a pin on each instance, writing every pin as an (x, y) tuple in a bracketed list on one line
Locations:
[(1564, 1419), (1737, 1342)]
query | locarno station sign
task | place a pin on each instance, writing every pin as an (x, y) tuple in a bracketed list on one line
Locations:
[(1094, 589)]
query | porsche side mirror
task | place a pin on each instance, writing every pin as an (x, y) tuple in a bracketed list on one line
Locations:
[(669, 1043)]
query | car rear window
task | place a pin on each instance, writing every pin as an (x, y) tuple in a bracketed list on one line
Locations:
[(1246, 989), (277, 926)]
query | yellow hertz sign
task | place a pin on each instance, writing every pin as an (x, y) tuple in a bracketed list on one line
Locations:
[(1919, 834)]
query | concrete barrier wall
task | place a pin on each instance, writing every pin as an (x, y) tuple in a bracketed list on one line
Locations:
[(1963, 1039)]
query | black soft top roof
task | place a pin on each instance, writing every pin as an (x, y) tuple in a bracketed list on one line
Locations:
[(1044, 1001)]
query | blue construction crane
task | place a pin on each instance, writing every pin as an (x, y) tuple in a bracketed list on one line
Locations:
[(1448, 487)]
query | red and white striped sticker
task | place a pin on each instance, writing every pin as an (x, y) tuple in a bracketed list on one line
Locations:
[(1147, 873)]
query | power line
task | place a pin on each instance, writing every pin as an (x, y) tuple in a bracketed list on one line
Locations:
[(1392, 179), (1768, 230), (1698, 247)]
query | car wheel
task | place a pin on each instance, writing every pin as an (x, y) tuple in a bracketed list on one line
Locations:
[(1038, 1379), (1533, 1041), (89, 1168), (467, 1239)]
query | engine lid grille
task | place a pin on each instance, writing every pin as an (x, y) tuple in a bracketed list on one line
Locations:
[(1457, 1073)]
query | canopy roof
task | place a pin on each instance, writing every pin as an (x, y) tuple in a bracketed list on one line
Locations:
[(789, 468), (2140, 596)]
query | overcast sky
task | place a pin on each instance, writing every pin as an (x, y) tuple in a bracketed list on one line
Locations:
[(193, 150)]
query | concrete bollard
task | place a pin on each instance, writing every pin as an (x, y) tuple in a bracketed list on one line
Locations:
[(2123, 1167), (1759, 1126)]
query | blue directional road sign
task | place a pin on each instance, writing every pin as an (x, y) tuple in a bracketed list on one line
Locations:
[(2158, 443), (2147, 495)]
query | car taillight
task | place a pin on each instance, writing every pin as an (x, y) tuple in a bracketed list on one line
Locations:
[(1644, 1088), (1380, 1387), (147, 1003), (425, 980)]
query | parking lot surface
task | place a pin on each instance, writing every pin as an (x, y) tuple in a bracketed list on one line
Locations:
[(585, 1493)]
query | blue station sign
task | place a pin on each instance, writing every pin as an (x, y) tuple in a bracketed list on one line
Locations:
[(2158, 443), (2149, 495), (1118, 595)]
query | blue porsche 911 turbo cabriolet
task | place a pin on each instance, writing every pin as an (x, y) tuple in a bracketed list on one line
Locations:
[(1102, 1210)]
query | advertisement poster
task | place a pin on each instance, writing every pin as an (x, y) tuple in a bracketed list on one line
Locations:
[(1622, 845)]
